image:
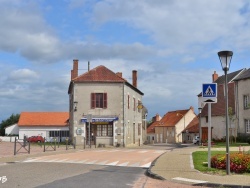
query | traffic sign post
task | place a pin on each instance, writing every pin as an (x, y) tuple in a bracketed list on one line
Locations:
[(209, 95), (89, 119)]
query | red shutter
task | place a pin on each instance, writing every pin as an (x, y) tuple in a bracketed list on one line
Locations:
[(92, 100), (105, 100)]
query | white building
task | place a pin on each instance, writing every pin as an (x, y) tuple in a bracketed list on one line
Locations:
[(46, 124)]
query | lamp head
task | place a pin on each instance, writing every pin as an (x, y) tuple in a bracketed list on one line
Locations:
[(225, 59)]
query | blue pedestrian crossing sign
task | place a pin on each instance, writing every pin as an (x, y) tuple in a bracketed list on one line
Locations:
[(209, 93)]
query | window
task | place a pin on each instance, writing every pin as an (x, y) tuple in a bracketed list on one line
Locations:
[(128, 101), (206, 119), (139, 128), (58, 133), (98, 100), (247, 125), (134, 104), (104, 130), (246, 101)]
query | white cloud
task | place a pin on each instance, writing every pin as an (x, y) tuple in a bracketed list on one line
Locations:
[(177, 23), (23, 76)]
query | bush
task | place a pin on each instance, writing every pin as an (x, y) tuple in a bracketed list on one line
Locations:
[(239, 163)]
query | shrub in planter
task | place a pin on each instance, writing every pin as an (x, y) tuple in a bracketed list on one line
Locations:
[(239, 163)]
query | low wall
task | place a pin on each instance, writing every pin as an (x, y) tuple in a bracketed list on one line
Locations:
[(8, 138)]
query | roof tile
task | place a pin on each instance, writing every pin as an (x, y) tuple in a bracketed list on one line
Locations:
[(99, 74), (43, 119)]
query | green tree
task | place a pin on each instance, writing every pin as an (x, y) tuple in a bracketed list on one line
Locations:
[(10, 121)]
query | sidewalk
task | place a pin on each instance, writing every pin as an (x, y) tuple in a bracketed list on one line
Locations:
[(176, 165)]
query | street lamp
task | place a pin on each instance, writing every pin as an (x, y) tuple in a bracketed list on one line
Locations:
[(225, 59), (200, 131)]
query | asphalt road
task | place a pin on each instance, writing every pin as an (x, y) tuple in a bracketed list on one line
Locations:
[(47, 175)]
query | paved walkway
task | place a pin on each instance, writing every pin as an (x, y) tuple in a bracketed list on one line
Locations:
[(177, 166)]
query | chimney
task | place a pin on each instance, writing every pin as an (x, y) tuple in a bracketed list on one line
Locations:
[(157, 117), (214, 76), (74, 72), (119, 74), (134, 77)]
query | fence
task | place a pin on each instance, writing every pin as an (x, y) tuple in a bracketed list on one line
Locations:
[(22, 143)]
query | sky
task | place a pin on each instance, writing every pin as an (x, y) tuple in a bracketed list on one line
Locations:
[(173, 44)]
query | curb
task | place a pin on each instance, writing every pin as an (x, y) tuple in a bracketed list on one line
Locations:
[(149, 173)]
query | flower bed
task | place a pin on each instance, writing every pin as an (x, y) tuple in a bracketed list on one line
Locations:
[(239, 162)]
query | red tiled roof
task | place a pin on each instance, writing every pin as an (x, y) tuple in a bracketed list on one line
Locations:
[(193, 126), (171, 118), (43, 119), (151, 128), (99, 74), (218, 109)]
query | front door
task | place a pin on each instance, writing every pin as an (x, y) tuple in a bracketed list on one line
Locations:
[(204, 136), (90, 134)]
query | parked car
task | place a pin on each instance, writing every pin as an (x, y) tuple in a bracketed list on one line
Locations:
[(196, 140), (35, 139)]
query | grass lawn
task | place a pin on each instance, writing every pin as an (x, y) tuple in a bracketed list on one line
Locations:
[(200, 161)]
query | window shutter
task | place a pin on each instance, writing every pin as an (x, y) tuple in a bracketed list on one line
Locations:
[(92, 100), (105, 100)]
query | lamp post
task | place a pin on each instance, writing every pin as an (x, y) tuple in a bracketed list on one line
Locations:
[(225, 59), (200, 131)]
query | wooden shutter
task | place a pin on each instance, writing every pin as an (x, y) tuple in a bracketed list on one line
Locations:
[(92, 100), (105, 100)]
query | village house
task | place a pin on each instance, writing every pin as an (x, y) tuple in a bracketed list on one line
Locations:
[(46, 124), (169, 128), (242, 90), (105, 109), (191, 131), (218, 129), (151, 129)]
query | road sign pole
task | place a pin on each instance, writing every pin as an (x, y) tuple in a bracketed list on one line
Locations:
[(209, 136), (89, 136)]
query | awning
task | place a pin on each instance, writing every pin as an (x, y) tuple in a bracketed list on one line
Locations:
[(100, 119)]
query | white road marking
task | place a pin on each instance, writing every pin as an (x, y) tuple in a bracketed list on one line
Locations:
[(189, 180), (123, 164), (102, 163), (146, 165), (135, 165), (113, 163), (91, 162), (144, 151)]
